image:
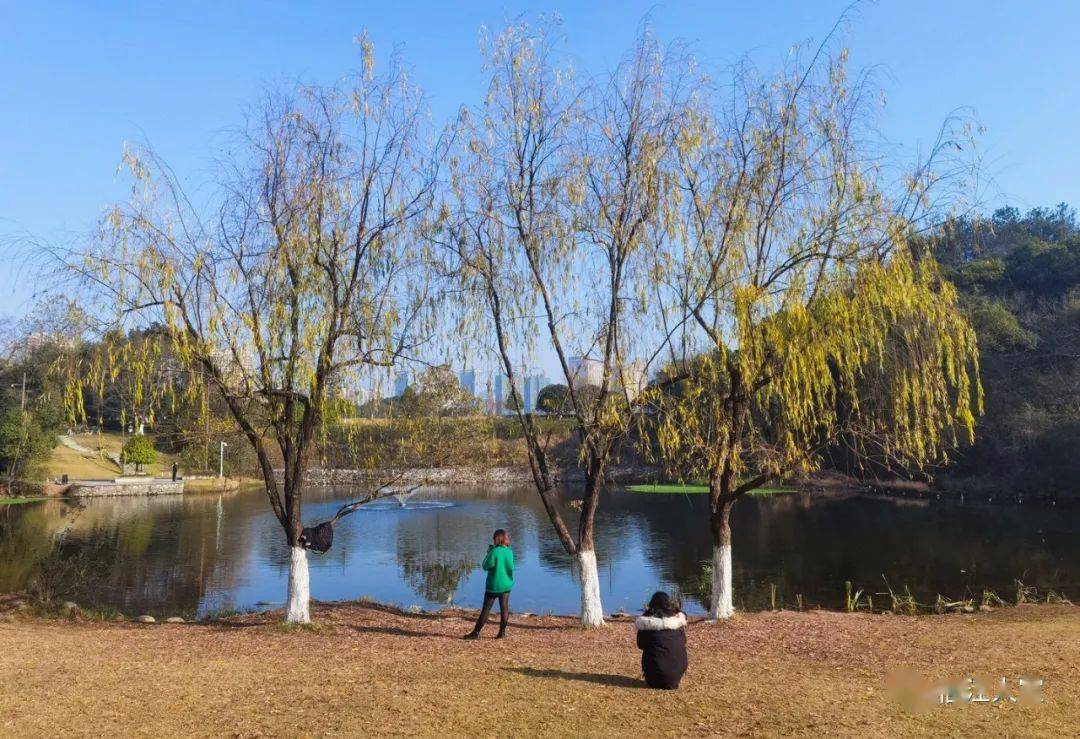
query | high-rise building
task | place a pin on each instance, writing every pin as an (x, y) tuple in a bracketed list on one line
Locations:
[(401, 382), (530, 394), (634, 379), (586, 371), (533, 385), (467, 378), (500, 391)]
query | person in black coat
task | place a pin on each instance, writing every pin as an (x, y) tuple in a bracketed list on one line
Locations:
[(661, 637)]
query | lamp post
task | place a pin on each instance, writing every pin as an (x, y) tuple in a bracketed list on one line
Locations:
[(22, 397), (22, 430), (221, 460)]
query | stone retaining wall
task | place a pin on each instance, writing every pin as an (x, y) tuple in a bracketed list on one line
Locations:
[(322, 477), (105, 488), (449, 476)]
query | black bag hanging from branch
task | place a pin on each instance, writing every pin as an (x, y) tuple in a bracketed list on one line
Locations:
[(318, 538)]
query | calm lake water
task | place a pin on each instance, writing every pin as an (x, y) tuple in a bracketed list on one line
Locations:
[(201, 554)]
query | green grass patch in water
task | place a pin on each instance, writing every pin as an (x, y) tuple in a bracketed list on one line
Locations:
[(691, 489), (19, 501)]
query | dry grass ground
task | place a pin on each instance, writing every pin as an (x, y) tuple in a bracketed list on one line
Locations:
[(367, 670)]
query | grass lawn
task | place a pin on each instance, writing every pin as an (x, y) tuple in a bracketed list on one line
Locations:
[(65, 461), (76, 465), (367, 670), (690, 489)]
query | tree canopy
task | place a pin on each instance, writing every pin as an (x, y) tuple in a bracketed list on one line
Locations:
[(553, 399), (139, 450)]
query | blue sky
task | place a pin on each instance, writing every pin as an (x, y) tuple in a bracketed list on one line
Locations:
[(81, 78)]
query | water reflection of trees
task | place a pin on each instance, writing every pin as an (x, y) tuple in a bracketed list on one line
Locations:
[(172, 555), (148, 554), (809, 546), (437, 551), (436, 576), (27, 539)]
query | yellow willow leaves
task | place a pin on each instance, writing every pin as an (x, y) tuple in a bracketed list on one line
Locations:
[(895, 324), (883, 347), (137, 370)]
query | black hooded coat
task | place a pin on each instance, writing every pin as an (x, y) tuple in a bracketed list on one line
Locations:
[(662, 641)]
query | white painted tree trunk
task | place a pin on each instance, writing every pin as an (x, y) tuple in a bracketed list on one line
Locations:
[(721, 604), (299, 611), (592, 611)]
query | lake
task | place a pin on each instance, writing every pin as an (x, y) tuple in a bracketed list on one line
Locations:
[(196, 555)]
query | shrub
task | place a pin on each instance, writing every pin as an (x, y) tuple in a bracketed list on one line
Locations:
[(139, 450)]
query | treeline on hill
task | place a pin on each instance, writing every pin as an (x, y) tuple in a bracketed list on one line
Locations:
[(1019, 278), (434, 423), (35, 408), (31, 410)]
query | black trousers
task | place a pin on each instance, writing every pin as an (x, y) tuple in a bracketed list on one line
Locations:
[(504, 611)]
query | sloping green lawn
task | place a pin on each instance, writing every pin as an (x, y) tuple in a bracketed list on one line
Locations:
[(77, 465)]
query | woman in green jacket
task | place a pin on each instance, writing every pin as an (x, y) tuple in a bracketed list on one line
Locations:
[(499, 565)]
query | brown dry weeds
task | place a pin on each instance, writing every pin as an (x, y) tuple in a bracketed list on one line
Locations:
[(366, 670)]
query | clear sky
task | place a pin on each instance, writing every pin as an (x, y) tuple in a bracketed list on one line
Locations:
[(78, 79)]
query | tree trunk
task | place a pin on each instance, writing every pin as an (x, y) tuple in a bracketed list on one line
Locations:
[(592, 612), (720, 606), (298, 611)]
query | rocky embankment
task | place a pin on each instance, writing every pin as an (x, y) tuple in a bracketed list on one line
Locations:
[(450, 476), (125, 486)]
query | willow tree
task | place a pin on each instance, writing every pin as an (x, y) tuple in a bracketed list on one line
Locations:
[(558, 190), (297, 275), (801, 316)]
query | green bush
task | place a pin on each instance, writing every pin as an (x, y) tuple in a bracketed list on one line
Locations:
[(139, 450), (24, 445)]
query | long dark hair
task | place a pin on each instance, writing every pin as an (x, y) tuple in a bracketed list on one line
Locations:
[(661, 605)]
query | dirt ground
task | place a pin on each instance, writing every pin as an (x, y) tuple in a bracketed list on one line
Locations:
[(368, 670)]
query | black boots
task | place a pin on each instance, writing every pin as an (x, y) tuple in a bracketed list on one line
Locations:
[(475, 634)]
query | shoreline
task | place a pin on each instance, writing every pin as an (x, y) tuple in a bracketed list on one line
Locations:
[(823, 483), (19, 604)]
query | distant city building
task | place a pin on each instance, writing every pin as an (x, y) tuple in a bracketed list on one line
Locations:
[(401, 382), (38, 339), (634, 379), (533, 385), (500, 392), (530, 398), (586, 371), (467, 378)]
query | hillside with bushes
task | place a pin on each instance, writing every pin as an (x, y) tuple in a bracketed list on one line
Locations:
[(1019, 278)]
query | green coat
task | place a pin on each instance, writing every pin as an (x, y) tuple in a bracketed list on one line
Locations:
[(499, 565)]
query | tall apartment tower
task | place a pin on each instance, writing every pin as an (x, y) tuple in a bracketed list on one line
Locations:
[(586, 371), (500, 392), (530, 394), (401, 382), (533, 385), (467, 378)]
